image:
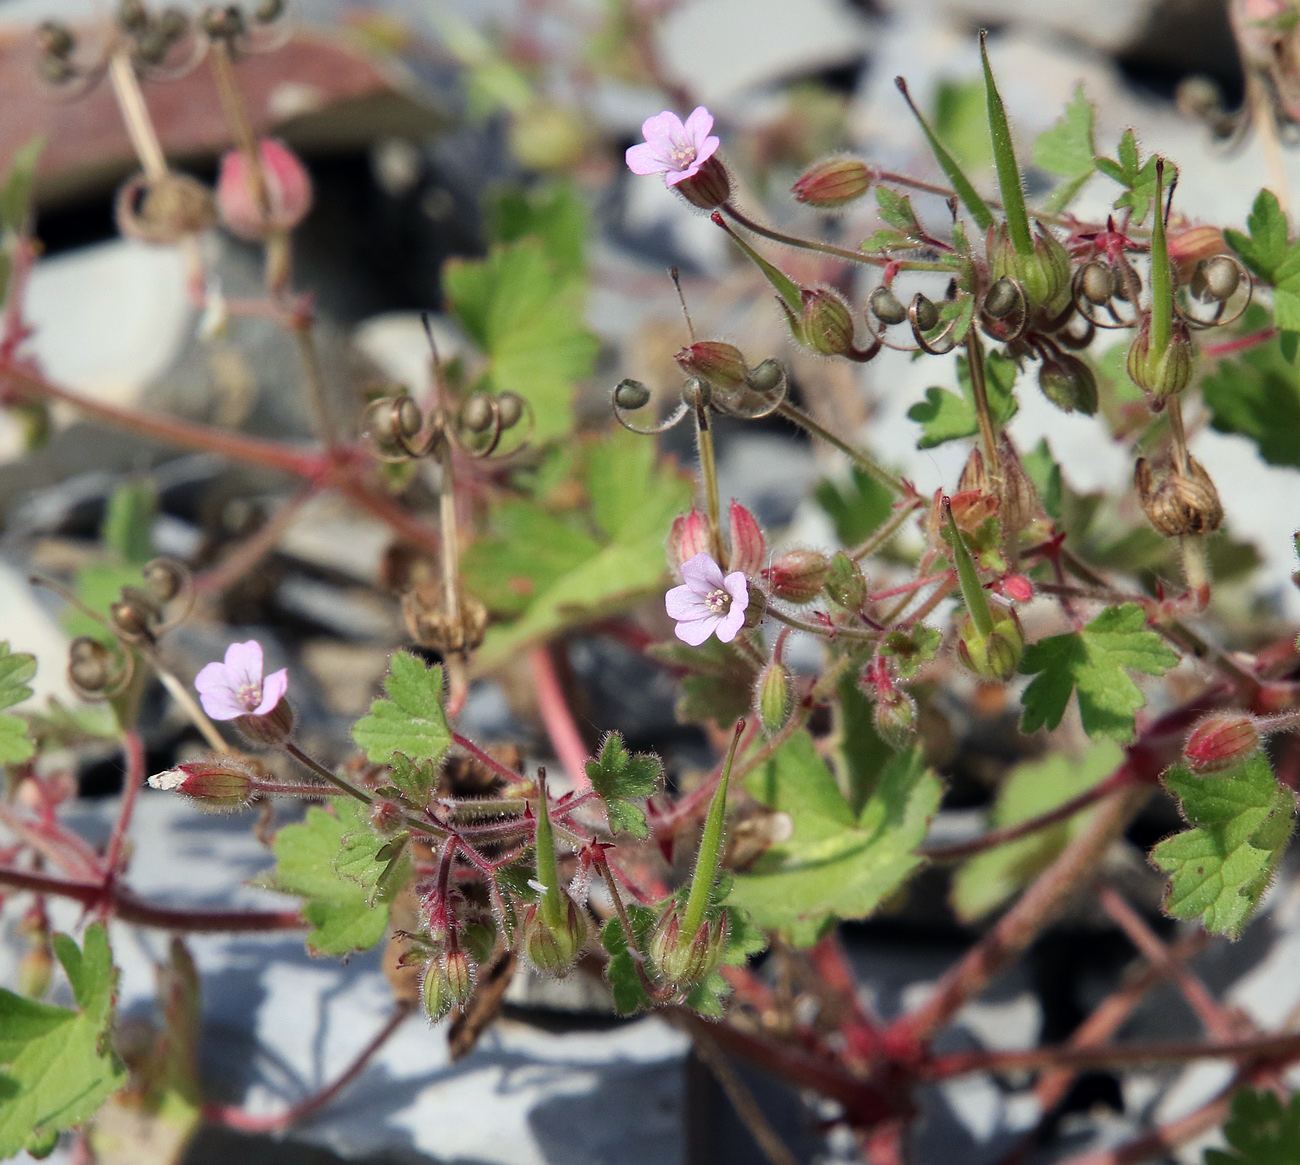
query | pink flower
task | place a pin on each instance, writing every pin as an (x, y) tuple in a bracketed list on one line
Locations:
[(288, 192), (707, 604), (672, 147), (237, 688)]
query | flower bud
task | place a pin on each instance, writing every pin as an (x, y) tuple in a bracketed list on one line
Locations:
[(1221, 740), (772, 697), (1161, 374), (1044, 275), (721, 364), (387, 818), (1018, 588), (280, 206), (216, 782), (709, 187), (273, 727), (684, 960), (35, 970), (894, 716), (1190, 247), (447, 982), (833, 182), (845, 583), (1177, 504), (748, 547), (995, 656), (826, 323), (555, 949), (798, 576), (688, 537), (1068, 383)]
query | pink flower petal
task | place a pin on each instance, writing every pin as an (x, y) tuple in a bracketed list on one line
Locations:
[(663, 130), (730, 624), (696, 631), (702, 574), (685, 603), (244, 663), (273, 689), (644, 159), (697, 126), (217, 694), (674, 176)]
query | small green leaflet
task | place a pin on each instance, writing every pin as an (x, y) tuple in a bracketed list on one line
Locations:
[(411, 719), (345, 873), (1138, 178), (717, 682), (1068, 149), (413, 780), (1258, 396), (16, 190), (896, 210), (836, 864), (1094, 662), (619, 777), (527, 320), (1260, 1131), (945, 416), (1219, 869), (858, 506), (58, 1066), (16, 669), (1270, 254), (553, 214), (986, 881)]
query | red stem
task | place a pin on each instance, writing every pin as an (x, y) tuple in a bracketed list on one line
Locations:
[(557, 718), (133, 747)]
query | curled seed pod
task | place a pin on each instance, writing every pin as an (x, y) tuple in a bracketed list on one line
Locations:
[(631, 395), (268, 11), (510, 409), (134, 615), (478, 413), (1002, 298), (55, 70), (90, 666), (1099, 283), (430, 624), (885, 306), (132, 15), (55, 39), (1216, 280), (222, 21), (165, 578), (173, 23), (152, 46), (1178, 504), (767, 377), (389, 424), (925, 315), (696, 391), (1068, 383), (164, 209)]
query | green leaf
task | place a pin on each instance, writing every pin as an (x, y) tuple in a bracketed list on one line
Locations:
[(860, 755), (1138, 178), (619, 776), (1094, 662), (527, 320), (987, 880), (1241, 821), (561, 576), (1260, 1131), (911, 649), (16, 669), (629, 993), (57, 1066), (16, 192), (961, 121), (411, 719), (332, 862), (415, 780), (1068, 149), (1045, 473), (1268, 244), (1258, 396), (858, 507), (552, 214), (945, 416), (717, 684), (127, 529), (896, 210), (836, 863)]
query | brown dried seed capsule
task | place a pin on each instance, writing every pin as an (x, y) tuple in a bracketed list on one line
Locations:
[(1098, 283), (631, 395), (152, 46), (165, 579), (173, 23), (55, 39), (132, 15), (885, 306), (222, 21), (924, 312), (89, 665), (1002, 298), (1178, 504), (1217, 279), (425, 612), (134, 614), (510, 409), (766, 377), (477, 413)]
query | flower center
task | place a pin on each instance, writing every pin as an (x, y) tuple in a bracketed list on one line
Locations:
[(682, 155), (718, 601), (249, 694)]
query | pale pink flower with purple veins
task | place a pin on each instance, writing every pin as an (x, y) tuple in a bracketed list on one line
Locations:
[(237, 687), (672, 147), (708, 603)]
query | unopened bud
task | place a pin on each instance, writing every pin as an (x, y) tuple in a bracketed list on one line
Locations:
[(281, 205), (709, 187), (833, 182), (826, 323), (845, 583), (1017, 587), (1176, 503), (1068, 383), (682, 960), (216, 783), (772, 697), (1221, 740), (1161, 374), (554, 949), (894, 716), (721, 364), (885, 306), (1043, 275), (688, 537), (35, 970), (748, 547), (798, 576), (995, 656), (448, 981), (387, 818)]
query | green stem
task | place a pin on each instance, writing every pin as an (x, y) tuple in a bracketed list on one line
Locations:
[(859, 457), (1162, 290), (706, 863), (983, 410), (548, 870), (709, 477), (1004, 159), (832, 632), (888, 530), (977, 603)]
